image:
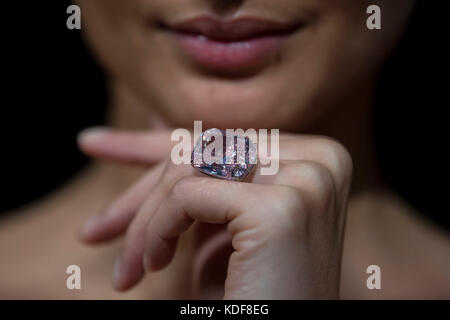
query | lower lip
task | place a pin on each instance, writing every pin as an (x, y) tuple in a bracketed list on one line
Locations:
[(229, 55)]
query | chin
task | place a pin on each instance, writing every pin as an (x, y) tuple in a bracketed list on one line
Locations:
[(236, 117), (229, 106)]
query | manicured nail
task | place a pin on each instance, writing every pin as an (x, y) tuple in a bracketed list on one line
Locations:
[(93, 134)]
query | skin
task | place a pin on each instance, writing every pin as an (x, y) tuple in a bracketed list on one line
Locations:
[(281, 236), (315, 70), (267, 221)]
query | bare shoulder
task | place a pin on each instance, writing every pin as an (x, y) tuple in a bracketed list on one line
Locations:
[(39, 242), (413, 254)]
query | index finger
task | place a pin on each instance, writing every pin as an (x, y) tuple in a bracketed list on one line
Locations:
[(131, 147)]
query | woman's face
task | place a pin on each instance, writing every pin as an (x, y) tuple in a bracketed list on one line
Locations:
[(242, 63)]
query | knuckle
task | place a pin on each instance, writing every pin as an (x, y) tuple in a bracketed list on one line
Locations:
[(311, 176), (292, 198), (290, 174), (173, 172), (179, 189), (337, 157), (315, 184), (335, 152), (188, 186), (279, 196), (285, 209), (321, 188), (320, 180)]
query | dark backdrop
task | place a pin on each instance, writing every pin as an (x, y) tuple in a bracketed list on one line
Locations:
[(52, 89)]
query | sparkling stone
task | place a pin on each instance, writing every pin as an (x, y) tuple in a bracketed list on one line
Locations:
[(234, 160)]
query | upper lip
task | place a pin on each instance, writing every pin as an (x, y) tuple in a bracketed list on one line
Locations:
[(232, 30)]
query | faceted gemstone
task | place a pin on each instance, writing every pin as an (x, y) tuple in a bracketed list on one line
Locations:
[(233, 157)]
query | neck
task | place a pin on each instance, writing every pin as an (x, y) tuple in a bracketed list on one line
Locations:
[(130, 112), (351, 123)]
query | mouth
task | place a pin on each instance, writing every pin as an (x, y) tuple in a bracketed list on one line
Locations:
[(230, 45)]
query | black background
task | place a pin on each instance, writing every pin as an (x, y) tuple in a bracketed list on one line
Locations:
[(52, 89), (278, 309)]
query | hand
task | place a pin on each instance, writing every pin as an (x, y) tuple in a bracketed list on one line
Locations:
[(287, 229)]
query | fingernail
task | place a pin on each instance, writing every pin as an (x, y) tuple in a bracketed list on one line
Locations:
[(92, 134), (117, 274)]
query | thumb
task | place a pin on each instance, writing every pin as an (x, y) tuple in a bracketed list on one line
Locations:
[(131, 147)]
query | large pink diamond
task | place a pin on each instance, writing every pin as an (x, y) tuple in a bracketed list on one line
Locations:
[(234, 160)]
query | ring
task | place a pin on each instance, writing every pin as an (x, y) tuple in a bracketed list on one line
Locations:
[(224, 155)]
